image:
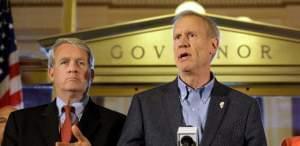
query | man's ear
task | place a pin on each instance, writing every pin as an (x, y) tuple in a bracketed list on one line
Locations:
[(51, 74), (214, 46), (92, 75)]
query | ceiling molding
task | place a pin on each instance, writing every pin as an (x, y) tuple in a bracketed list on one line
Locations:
[(160, 3)]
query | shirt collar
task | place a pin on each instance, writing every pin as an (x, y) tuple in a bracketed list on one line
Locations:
[(184, 88), (78, 105)]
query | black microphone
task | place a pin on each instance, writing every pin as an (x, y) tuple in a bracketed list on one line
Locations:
[(187, 141)]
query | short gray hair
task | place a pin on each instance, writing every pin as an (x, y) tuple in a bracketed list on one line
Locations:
[(212, 31), (73, 41)]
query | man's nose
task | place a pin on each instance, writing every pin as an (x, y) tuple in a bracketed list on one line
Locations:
[(73, 67), (183, 42)]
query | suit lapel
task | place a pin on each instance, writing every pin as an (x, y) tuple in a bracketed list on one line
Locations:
[(89, 122), (216, 110), (49, 124), (172, 106)]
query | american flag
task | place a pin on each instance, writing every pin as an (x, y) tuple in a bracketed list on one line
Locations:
[(10, 80)]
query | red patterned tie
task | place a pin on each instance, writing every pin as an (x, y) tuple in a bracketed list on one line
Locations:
[(66, 132)]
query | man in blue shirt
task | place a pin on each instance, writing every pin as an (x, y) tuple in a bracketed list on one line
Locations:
[(223, 116), (71, 69)]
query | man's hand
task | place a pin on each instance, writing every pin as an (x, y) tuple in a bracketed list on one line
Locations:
[(81, 140)]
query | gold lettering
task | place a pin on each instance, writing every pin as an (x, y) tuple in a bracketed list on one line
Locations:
[(137, 52), (265, 52), (159, 53), (116, 52), (244, 51), (222, 51)]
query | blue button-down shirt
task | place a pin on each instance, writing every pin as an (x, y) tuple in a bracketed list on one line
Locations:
[(78, 105), (195, 114)]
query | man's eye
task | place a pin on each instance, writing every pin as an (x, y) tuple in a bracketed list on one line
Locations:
[(63, 62), (177, 37), (81, 63), (191, 35)]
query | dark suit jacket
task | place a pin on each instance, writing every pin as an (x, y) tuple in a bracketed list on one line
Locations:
[(38, 126), (155, 115)]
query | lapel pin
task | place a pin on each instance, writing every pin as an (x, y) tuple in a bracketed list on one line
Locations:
[(221, 104)]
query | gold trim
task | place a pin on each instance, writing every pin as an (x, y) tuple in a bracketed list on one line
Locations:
[(252, 90)]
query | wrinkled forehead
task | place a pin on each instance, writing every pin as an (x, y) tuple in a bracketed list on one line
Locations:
[(69, 48)]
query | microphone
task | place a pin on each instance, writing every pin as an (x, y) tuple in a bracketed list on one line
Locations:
[(187, 136)]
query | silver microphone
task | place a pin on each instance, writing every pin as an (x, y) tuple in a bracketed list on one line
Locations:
[(187, 136)]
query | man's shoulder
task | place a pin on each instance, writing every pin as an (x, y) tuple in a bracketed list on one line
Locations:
[(237, 96), (158, 91), (31, 110), (30, 113), (108, 113)]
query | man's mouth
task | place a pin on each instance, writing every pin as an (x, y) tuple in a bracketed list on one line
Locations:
[(183, 55), (72, 79)]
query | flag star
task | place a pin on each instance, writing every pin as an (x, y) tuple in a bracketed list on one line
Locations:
[(1, 59), (11, 26), (2, 47), (1, 71), (3, 35)]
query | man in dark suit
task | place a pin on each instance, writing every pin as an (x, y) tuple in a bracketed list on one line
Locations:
[(223, 116), (71, 69)]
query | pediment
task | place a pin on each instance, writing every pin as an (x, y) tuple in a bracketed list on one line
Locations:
[(141, 51)]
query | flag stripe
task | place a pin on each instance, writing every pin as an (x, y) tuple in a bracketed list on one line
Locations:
[(4, 86), (14, 99), (14, 70), (13, 58), (15, 85), (4, 99), (10, 79)]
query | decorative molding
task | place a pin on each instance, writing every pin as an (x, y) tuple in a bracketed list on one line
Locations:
[(250, 52), (159, 3)]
